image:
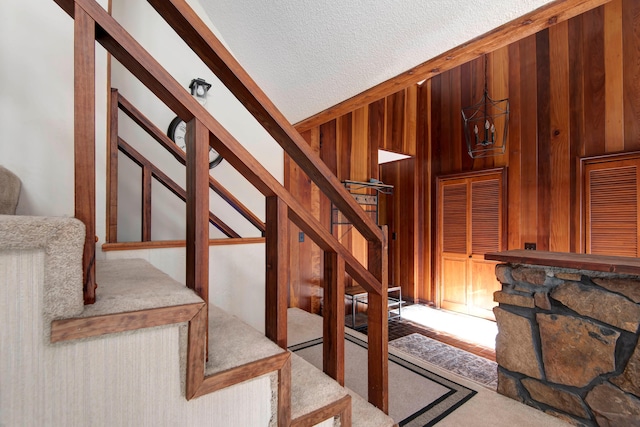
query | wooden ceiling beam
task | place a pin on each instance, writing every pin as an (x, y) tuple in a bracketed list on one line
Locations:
[(531, 23)]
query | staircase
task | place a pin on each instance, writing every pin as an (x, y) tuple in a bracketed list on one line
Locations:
[(140, 308), (137, 307)]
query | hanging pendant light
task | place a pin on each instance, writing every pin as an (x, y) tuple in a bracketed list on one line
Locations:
[(486, 124)]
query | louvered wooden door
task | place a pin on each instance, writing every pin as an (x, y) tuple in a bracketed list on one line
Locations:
[(611, 208), (470, 224)]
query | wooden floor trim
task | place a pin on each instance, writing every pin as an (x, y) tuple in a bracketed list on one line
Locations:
[(85, 327)]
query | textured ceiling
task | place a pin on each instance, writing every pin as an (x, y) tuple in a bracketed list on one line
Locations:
[(308, 55)]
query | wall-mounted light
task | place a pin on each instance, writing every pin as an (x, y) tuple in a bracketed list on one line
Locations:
[(486, 124), (199, 89)]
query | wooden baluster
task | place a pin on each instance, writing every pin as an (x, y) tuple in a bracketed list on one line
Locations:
[(84, 143), (112, 170), (276, 298), (378, 332), (197, 139), (147, 179), (333, 317)]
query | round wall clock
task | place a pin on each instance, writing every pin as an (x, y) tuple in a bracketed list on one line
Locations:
[(177, 131)]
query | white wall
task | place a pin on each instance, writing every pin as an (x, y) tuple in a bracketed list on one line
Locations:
[(173, 54), (36, 106)]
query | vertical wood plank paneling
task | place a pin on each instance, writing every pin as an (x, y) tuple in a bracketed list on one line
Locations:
[(559, 203), (614, 96), (376, 133), (313, 251), (576, 117), (544, 139), (359, 153), (445, 135), (343, 146), (300, 188), (499, 84), (423, 173), (359, 170), (395, 122), (514, 150), (467, 98), (631, 73), (344, 152), (594, 105), (529, 168), (410, 120), (328, 154), (456, 138)]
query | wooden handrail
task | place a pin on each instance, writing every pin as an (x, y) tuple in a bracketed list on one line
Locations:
[(170, 185), (152, 130)]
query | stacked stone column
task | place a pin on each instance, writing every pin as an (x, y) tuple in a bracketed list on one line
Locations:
[(567, 343)]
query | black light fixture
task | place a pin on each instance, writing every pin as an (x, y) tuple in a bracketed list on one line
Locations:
[(486, 124), (199, 89)]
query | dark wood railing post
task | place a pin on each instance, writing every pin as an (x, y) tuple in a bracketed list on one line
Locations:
[(112, 170), (277, 260), (147, 184), (378, 333), (197, 255), (84, 143), (333, 316)]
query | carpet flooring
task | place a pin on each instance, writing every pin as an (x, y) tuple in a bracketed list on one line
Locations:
[(418, 397), (452, 359)]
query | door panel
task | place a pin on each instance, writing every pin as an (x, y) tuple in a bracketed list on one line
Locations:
[(612, 208), (454, 291), (483, 285), (470, 224)]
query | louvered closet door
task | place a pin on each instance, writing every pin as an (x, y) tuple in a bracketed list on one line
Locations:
[(469, 225), (612, 208)]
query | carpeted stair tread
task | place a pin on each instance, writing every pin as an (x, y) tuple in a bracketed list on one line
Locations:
[(126, 285), (233, 343), (311, 388), (364, 414)]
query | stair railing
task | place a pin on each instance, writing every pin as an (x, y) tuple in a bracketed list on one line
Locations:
[(92, 23), (149, 170)]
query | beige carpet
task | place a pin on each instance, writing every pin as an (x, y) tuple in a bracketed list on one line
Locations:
[(417, 397), (485, 409)]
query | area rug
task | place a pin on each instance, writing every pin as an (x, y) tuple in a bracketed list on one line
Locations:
[(417, 396), (453, 359)]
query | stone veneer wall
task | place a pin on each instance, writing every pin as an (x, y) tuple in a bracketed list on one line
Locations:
[(567, 343)]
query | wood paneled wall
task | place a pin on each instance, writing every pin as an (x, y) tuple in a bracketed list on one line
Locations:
[(573, 89)]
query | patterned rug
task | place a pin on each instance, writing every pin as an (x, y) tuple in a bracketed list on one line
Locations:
[(417, 396), (452, 359)]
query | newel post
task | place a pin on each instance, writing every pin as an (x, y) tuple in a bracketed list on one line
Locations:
[(197, 139), (378, 332), (85, 143), (277, 261)]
